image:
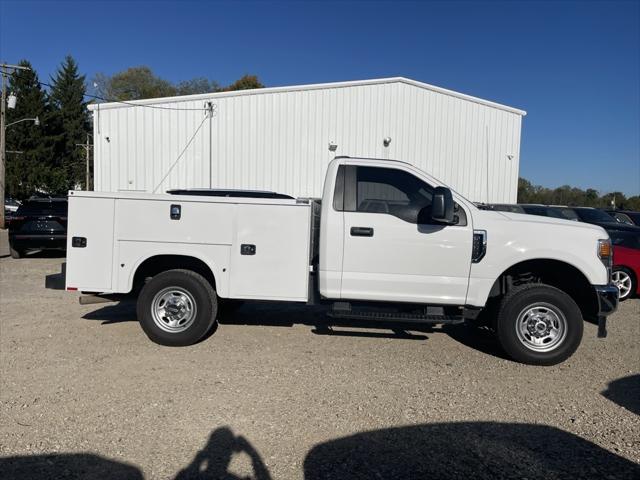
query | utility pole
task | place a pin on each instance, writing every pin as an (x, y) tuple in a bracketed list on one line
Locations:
[(4, 73), (87, 146), (2, 150)]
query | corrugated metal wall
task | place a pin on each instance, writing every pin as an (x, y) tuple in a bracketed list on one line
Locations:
[(277, 139)]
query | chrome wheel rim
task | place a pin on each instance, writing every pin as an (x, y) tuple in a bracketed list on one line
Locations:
[(173, 309), (541, 327), (622, 280)]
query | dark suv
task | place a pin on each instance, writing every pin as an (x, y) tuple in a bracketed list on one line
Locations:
[(39, 224), (603, 219)]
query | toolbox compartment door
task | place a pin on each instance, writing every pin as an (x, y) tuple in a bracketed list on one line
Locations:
[(270, 252), (90, 243)]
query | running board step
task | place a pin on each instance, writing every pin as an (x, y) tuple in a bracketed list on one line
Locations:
[(396, 317)]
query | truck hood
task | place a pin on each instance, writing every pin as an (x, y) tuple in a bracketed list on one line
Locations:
[(537, 219)]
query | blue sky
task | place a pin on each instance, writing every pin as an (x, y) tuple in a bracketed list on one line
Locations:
[(573, 66)]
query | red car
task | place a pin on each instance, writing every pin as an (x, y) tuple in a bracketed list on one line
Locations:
[(626, 263)]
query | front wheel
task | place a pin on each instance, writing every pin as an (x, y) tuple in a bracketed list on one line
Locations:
[(539, 325), (177, 308)]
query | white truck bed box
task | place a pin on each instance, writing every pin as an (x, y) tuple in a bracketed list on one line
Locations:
[(136, 226)]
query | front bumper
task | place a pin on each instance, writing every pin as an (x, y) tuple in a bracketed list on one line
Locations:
[(608, 298)]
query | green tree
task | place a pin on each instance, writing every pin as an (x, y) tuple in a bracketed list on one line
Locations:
[(197, 85), (573, 197), (525, 191), (70, 122), (247, 82), (29, 164), (632, 203), (134, 83), (140, 82), (591, 197)]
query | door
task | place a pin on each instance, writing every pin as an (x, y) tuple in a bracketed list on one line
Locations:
[(391, 253)]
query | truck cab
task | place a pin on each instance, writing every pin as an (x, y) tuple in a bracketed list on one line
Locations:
[(380, 242), (386, 242)]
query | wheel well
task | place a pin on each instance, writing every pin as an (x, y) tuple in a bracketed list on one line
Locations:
[(160, 263), (556, 273)]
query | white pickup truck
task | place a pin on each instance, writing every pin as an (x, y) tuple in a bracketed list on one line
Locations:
[(385, 242)]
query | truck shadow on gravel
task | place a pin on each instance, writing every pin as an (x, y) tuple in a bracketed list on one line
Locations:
[(466, 450), (478, 450), (625, 392), (68, 466), (289, 315), (123, 311), (284, 315)]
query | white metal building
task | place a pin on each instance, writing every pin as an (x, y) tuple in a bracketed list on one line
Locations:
[(282, 138)]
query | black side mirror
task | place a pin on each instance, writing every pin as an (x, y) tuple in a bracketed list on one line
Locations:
[(442, 206)]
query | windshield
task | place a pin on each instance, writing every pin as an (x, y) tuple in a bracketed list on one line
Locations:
[(593, 215)]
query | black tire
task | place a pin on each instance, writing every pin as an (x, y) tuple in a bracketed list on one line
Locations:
[(519, 346), (632, 277), (202, 295), (16, 253)]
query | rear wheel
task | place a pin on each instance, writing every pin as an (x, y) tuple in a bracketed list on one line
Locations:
[(177, 308), (16, 253), (624, 279), (539, 325)]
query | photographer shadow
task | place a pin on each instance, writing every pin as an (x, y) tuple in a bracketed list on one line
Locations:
[(213, 461)]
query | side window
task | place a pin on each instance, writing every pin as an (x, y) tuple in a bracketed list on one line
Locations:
[(394, 192), (554, 213), (622, 218), (569, 214)]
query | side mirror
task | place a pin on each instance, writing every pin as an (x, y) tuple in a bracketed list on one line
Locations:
[(442, 206)]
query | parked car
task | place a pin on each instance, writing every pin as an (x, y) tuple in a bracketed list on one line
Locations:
[(554, 211), (625, 216), (38, 224), (626, 262), (387, 242), (601, 218)]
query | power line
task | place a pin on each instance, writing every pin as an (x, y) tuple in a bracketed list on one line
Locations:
[(131, 104), (181, 153)]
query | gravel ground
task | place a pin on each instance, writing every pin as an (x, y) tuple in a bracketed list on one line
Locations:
[(86, 395)]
